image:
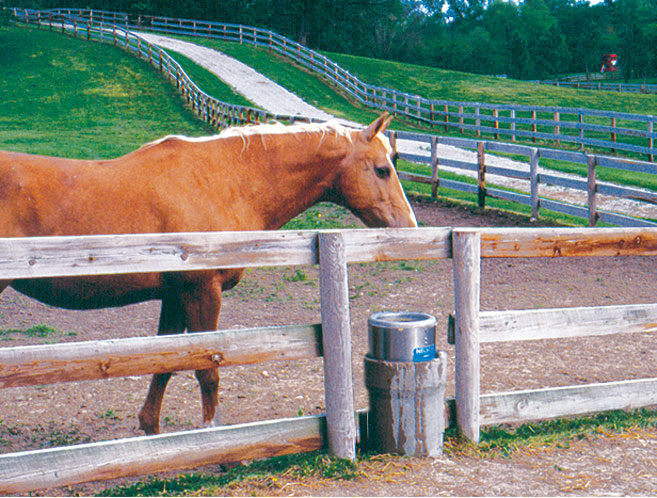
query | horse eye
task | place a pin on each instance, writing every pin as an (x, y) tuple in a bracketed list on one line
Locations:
[(382, 171)]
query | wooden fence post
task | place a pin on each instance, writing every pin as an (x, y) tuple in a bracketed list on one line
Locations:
[(534, 125), (556, 126), (481, 174), (336, 340), (461, 119), (435, 182), (477, 121), (592, 188), (533, 179), (466, 254), (651, 141), (496, 123), (581, 131), (613, 134), (513, 125)]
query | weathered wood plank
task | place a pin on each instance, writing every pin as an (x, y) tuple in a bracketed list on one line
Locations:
[(41, 469), (533, 180), (527, 325), (33, 257), (142, 253), (397, 243), (555, 242), (523, 406), (336, 339), (467, 275), (76, 361)]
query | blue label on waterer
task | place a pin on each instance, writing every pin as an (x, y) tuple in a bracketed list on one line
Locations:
[(426, 353)]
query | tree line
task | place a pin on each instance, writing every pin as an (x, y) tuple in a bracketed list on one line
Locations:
[(532, 39)]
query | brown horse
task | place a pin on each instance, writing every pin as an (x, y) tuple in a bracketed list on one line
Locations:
[(251, 178)]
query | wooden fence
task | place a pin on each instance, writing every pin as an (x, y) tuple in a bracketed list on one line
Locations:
[(590, 184), (97, 255), (471, 327), (605, 86), (616, 131)]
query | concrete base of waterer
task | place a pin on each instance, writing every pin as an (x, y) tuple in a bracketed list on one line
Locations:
[(407, 406)]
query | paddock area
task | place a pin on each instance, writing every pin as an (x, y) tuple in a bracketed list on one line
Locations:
[(64, 414)]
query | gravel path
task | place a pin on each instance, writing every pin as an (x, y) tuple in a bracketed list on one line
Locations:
[(268, 95), (259, 89)]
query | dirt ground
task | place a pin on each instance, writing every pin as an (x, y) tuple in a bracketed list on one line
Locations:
[(62, 414)]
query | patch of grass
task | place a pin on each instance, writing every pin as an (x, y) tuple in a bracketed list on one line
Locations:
[(110, 414), (260, 472), (506, 440), (40, 331), (324, 215), (495, 441), (298, 276), (209, 82), (51, 436)]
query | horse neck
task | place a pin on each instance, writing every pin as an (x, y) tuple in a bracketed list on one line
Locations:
[(294, 172)]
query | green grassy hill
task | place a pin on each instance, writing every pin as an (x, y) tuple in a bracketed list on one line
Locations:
[(436, 83), (68, 97), (424, 81)]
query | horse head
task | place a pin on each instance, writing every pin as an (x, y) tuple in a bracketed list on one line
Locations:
[(367, 182)]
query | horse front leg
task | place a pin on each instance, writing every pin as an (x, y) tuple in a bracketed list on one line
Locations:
[(202, 305), (171, 322)]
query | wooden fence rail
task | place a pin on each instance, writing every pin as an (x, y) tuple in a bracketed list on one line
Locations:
[(102, 26), (610, 130), (31, 470)]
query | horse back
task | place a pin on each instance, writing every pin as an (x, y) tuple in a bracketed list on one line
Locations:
[(41, 196)]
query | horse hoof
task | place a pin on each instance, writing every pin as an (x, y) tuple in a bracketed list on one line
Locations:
[(149, 428)]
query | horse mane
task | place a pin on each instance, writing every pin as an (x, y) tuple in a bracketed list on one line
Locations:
[(263, 130), (277, 128)]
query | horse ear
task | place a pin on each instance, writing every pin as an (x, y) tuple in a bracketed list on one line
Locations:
[(380, 124)]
